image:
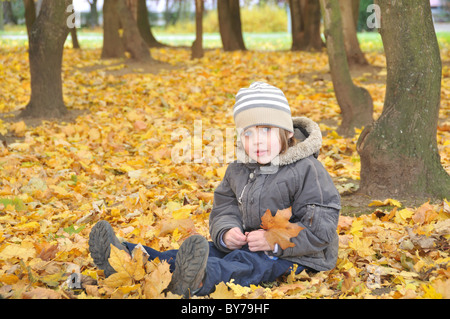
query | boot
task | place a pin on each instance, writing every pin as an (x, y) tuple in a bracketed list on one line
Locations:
[(100, 240), (190, 266)]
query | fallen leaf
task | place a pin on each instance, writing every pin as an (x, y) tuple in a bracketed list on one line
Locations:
[(128, 269), (157, 279), (222, 292), (278, 228), (424, 214), (387, 202), (347, 284), (41, 293)]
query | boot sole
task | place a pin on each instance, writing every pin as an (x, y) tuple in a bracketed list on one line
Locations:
[(100, 240), (190, 266)]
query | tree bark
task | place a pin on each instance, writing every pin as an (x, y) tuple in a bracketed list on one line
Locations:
[(74, 36), (8, 15), (197, 46), (144, 26), (2, 24), (230, 25), (132, 39), (46, 44), (399, 153), (355, 102), (354, 54), (93, 14), (305, 25), (113, 46), (30, 14)]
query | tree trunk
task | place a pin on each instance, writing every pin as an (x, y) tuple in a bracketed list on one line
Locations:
[(93, 14), (2, 24), (144, 26), (230, 25), (354, 54), (132, 39), (8, 14), (30, 14), (113, 46), (197, 46), (46, 44), (355, 102), (305, 25), (74, 36), (399, 153)]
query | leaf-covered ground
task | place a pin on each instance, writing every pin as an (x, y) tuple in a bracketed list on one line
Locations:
[(115, 162)]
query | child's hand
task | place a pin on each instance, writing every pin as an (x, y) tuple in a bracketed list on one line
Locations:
[(234, 238), (256, 240)]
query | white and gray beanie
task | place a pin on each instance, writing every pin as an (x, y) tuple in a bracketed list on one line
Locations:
[(262, 104)]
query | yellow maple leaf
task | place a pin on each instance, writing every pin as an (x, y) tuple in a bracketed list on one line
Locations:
[(357, 227), (128, 269), (402, 215), (238, 290), (387, 202), (157, 279), (278, 228), (222, 292), (17, 251), (362, 246)]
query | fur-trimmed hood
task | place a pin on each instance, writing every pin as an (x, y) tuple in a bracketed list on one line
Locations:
[(309, 141)]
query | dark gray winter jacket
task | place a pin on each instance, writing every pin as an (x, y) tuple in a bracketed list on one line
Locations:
[(297, 180)]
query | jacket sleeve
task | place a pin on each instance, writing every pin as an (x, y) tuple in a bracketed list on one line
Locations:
[(225, 213), (319, 222)]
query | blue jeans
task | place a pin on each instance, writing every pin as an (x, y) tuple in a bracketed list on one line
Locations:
[(242, 265)]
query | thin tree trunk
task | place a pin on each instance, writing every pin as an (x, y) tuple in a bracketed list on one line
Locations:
[(2, 24), (93, 14), (74, 36), (144, 26), (132, 39), (399, 153), (230, 25), (30, 14), (355, 102), (8, 15), (113, 46), (46, 44), (197, 46), (305, 25), (354, 54)]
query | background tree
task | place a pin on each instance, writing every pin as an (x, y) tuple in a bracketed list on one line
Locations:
[(1, 17), (8, 15), (305, 25), (230, 25), (349, 13), (355, 102), (399, 153), (46, 44), (118, 15), (30, 14), (93, 14), (113, 46), (132, 39), (197, 46), (144, 26)]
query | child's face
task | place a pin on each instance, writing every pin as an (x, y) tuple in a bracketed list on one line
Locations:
[(261, 143)]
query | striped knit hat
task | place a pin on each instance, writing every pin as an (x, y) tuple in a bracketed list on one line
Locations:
[(262, 104)]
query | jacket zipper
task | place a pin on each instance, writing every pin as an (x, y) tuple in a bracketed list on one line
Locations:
[(249, 180), (242, 194)]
